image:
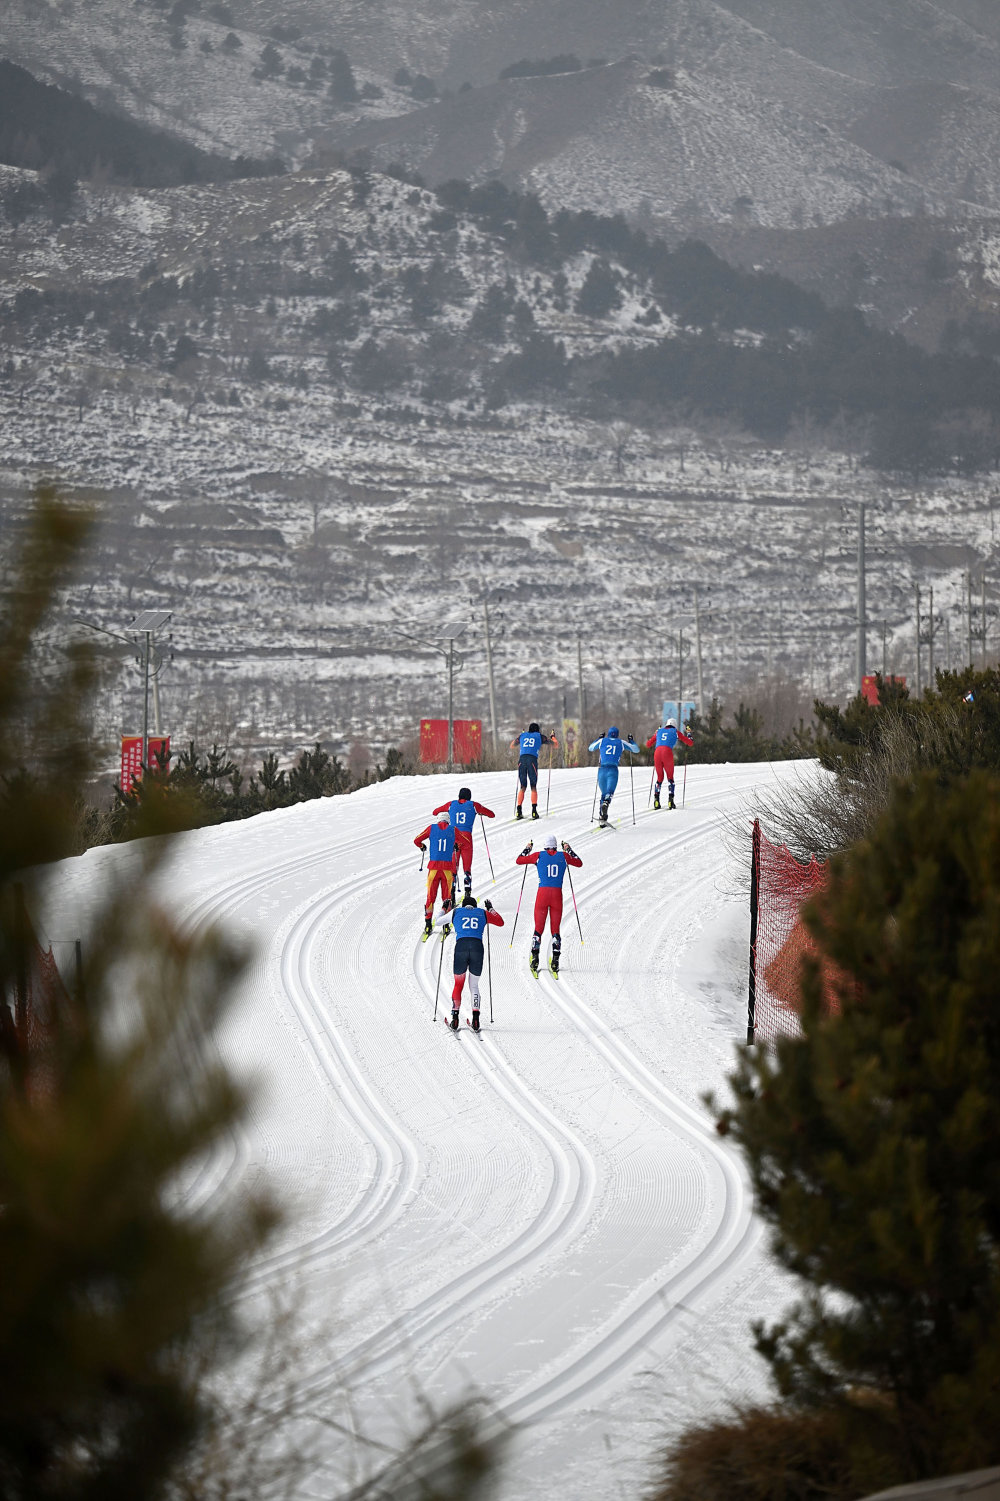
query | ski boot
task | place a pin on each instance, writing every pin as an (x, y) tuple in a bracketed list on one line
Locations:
[(534, 811), (603, 817), (428, 929), (468, 882), (455, 1018), (518, 813), (475, 1021), (670, 799), (554, 965), (656, 798), (533, 961)]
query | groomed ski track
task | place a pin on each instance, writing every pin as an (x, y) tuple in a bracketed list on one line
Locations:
[(544, 1213)]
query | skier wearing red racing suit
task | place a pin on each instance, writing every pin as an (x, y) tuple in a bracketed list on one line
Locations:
[(665, 739), (549, 900), (440, 837), (462, 814)]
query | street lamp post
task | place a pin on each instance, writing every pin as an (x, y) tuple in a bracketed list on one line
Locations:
[(455, 663), (147, 623)]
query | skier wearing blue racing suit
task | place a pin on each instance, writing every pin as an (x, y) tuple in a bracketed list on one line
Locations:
[(527, 745), (610, 746)]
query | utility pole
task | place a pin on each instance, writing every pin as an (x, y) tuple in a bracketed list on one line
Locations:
[(983, 583), (883, 650), (947, 642), (451, 700), (968, 580), (680, 677), (861, 595), (455, 663), (697, 648), (917, 638), (489, 672), (930, 640), (147, 622), (579, 676)]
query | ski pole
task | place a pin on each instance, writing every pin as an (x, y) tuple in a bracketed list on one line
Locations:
[(517, 913), (631, 777), (651, 781), (489, 964), (684, 789), (437, 987), (488, 855), (422, 854), (597, 787), (573, 895), (548, 785)]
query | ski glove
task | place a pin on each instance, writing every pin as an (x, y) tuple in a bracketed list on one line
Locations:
[(566, 848), (488, 905), (527, 847), (446, 930), (423, 849)]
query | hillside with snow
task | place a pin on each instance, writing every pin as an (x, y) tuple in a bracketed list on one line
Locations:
[(193, 361), (544, 1215)]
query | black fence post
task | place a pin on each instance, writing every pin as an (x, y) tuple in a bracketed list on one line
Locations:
[(754, 902)]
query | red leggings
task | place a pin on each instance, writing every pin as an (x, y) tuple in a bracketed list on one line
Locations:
[(463, 851), (663, 760), (548, 904), (438, 881)]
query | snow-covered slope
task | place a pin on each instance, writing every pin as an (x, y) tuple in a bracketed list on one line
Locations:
[(683, 110), (547, 1212)]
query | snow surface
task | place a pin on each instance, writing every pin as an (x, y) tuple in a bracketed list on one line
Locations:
[(545, 1214)]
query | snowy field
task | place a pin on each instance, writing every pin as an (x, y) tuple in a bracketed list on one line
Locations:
[(545, 1214)]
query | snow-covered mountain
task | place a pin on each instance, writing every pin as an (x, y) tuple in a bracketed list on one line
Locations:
[(776, 113)]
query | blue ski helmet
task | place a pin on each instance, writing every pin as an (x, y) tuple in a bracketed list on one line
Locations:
[(613, 732)]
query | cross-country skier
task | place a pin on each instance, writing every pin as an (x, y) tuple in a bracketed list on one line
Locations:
[(551, 864), (439, 840), (528, 744), (665, 738), (462, 813), (610, 746), (468, 922)]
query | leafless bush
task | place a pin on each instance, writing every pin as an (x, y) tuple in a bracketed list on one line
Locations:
[(274, 1435), (820, 812), (758, 1454)]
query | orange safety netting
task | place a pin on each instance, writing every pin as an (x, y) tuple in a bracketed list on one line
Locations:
[(780, 941), (41, 1002)]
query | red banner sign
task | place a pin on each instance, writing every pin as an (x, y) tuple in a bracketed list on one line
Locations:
[(869, 687), (467, 741), (157, 749), (131, 761), (158, 752)]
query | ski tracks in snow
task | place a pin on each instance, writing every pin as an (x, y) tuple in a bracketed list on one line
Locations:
[(535, 1210)]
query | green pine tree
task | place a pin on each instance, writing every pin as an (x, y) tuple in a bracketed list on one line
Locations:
[(110, 1291), (871, 1141)]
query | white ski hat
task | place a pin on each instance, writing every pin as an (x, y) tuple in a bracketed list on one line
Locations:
[(671, 724), (441, 817), (551, 842)]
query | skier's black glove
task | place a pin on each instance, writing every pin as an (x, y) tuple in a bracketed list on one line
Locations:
[(488, 905), (566, 848), (527, 847), (631, 737), (423, 849)]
